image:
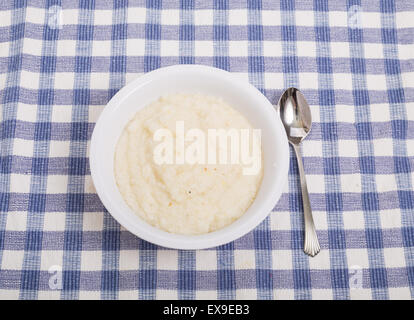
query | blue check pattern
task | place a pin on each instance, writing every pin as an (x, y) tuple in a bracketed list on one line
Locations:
[(62, 61)]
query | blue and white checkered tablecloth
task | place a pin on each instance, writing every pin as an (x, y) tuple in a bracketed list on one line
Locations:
[(61, 62)]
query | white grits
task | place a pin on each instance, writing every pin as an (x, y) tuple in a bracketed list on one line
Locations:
[(182, 198)]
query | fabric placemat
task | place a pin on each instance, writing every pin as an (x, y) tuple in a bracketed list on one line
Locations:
[(62, 61)]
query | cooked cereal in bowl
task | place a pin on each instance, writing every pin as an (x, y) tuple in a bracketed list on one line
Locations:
[(189, 157), (196, 192)]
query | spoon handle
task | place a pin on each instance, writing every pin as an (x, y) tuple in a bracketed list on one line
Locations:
[(311, 245)]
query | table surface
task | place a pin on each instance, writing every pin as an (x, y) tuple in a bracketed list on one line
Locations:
[(61, 62)]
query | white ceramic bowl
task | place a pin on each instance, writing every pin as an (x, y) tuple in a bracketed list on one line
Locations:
[(189, 78)]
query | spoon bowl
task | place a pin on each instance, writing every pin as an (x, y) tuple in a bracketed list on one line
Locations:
[(295, 114)]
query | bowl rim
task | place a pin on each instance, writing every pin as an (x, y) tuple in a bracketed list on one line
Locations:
[(178, 241)]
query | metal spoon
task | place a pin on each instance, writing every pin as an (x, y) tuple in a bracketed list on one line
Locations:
[(296, 117)]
